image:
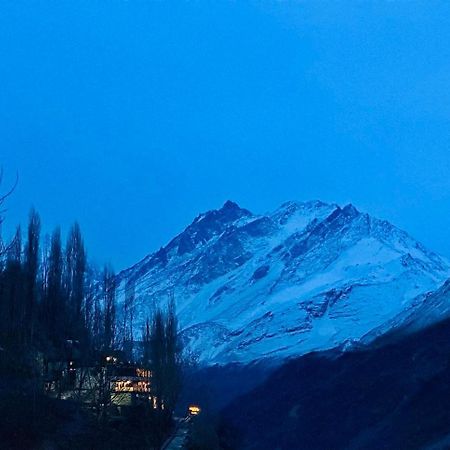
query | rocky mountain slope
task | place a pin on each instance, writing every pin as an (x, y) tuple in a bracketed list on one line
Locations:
[(308, 276)]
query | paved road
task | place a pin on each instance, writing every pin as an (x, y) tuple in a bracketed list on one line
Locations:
[(178, 439)]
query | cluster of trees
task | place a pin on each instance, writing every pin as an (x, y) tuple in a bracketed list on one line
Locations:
[(49, 297), (162, 355)]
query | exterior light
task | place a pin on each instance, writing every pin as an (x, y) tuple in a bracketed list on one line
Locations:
[(194, 410)]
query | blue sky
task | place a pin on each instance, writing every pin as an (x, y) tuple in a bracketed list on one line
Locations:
[(134, 116)]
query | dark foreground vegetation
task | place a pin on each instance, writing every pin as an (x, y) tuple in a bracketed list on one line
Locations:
[(34, 421), (71, 373)]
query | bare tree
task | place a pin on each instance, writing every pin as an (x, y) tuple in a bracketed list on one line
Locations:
[(109, 309), (75, 270), (31, 265), (164, 358), (3, 197), (53, 305), (128, 318)]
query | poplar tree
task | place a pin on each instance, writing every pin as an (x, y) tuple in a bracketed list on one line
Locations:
[(74, 280), (54, 307), (31, 266), (165, 359), (12, 296), (109, 309)]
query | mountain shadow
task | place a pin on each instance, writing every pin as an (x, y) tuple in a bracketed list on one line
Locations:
[(393, 395)]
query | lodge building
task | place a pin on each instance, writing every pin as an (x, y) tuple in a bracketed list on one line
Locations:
[(112, 381)]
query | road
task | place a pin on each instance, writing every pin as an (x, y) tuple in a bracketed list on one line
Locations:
[(178, 438)]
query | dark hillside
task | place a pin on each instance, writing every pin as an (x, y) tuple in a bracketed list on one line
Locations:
[(392, 397), (216, 386)]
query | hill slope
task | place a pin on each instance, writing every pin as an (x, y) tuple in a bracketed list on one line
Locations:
[(392, 395)]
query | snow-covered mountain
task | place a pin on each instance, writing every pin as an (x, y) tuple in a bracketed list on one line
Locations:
[(308, 276)]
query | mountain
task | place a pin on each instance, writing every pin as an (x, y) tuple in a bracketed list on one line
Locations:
[(308, 276), (392, 394), (424, 311)]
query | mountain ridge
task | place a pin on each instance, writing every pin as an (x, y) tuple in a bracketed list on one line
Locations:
[(307, 276)]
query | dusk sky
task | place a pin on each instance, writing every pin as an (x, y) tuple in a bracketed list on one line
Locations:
[(134, 116)]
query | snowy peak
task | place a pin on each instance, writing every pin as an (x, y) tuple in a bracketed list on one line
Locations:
[(199, 233), (229, 213), (206, 226), (308, 276), (233, 209), (301, 213)]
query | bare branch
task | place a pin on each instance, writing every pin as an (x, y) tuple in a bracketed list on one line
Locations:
[(4, 249), (13, 188)]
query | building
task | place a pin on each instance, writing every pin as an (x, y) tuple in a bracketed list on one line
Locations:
[(130, 385)]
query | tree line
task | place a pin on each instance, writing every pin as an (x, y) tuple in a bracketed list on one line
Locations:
[(52, 297), (49, 296)]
